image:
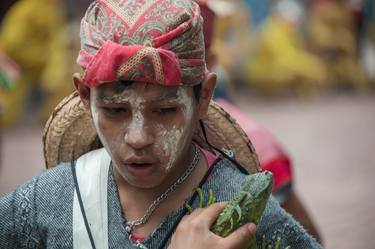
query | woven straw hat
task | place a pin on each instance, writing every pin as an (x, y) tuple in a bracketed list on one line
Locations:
[(70, 133)]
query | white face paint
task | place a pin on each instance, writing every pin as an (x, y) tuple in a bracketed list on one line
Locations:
[(95, 118), (137, 124), (138, 120), (172, 140), (141, 128), (184, 99)]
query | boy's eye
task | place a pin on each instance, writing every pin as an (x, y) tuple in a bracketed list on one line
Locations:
[(166, 110), (114, 110)]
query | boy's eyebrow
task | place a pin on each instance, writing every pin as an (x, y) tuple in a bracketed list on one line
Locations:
[(112, 99), (169, 95), (122, 97)]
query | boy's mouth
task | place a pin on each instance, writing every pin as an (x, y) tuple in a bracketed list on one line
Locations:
[(140, 169), (139, 166)]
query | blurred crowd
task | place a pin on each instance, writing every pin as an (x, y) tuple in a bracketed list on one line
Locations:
[(303, 47), (272, 47)]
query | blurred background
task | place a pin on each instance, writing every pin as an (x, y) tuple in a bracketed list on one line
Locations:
[(304, 70)]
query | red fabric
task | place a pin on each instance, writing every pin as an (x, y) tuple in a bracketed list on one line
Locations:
[(208, 22), (105, 65), (281, 170), (135, 238), (271, 154)]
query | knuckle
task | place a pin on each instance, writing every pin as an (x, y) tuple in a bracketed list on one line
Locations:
[(182, 227), (179, 230)]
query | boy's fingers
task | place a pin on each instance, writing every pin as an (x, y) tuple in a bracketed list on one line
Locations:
[(241, 236)]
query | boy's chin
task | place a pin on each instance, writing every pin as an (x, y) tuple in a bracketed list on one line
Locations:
[(144, 182)]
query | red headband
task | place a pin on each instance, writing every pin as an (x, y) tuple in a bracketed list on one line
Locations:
[(139, 63)]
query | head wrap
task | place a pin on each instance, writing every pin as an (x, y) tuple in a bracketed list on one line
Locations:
[(156, 41), (209, 18)]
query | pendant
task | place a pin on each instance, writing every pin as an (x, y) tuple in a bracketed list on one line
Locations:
[(137, 243), (140, 245), (129, 228)]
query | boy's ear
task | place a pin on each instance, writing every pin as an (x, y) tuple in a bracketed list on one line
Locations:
[(208, 88), (82, 89)]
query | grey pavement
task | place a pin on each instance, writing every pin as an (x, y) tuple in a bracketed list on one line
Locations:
[(331, 140)]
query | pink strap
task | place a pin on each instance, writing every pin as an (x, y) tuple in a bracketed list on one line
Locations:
[(210, 157)]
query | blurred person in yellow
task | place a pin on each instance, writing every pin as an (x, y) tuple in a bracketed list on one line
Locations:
[(61, 61), (60, 67), (232, 35), (30, 31), (332, 37), (280, 60)]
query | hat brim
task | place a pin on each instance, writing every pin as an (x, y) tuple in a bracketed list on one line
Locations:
[(70, 133)]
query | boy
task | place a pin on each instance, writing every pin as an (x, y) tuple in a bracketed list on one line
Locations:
[(146, 87)]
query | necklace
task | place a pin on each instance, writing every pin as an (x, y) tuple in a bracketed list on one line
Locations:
[(141, 221)]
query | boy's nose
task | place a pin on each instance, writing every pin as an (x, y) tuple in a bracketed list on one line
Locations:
[(138, 137)]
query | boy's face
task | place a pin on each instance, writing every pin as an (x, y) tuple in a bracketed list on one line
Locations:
[(146, 128)]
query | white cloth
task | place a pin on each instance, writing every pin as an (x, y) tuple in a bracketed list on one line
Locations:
[(92, 177)]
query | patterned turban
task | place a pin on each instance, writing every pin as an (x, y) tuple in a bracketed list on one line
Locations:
[(209, 18), (155, 41)]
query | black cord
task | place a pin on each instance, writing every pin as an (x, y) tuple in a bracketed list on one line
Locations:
[(190, 203), (81, 204), (234, 161)]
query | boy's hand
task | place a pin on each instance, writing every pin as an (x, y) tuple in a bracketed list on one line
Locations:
[(194, 231)]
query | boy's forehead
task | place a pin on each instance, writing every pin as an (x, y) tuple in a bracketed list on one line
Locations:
[(118, 92)]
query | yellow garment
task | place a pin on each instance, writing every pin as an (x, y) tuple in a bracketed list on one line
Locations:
[(332, 36), (280, 61), (56, 79), (330, 27), (27, 30), (232, 36)]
